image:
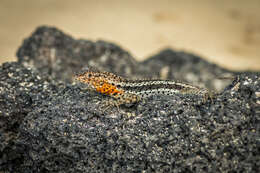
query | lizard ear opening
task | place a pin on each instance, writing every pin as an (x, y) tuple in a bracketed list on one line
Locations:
[(89, 75)]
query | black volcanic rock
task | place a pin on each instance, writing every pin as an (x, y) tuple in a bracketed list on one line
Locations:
[(21, 90), (48, 124), (60, 56), (187, 67)]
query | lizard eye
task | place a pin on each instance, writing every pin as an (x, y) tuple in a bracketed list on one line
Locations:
[(89, 75)]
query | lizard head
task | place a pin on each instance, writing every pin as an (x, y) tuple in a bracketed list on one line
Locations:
[(102, 82)]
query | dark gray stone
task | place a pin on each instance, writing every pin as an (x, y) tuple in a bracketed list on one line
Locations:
[(188, 68), (60, 56), (21, 90), (50, 126)]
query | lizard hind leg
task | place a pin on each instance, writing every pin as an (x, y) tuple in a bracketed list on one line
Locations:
[(120, 99), (110, 103)]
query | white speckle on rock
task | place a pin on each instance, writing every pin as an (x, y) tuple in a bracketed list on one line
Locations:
[(10, 75), (30, 84), (257, 94), (164, 72), (245, 83), (22, 84), (218, 84), (104, 57)]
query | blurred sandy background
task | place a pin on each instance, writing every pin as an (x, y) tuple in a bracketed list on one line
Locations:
[(226, 32)]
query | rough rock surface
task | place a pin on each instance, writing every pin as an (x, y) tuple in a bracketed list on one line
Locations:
[(58, 55), (187, 67), (48, 124)]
